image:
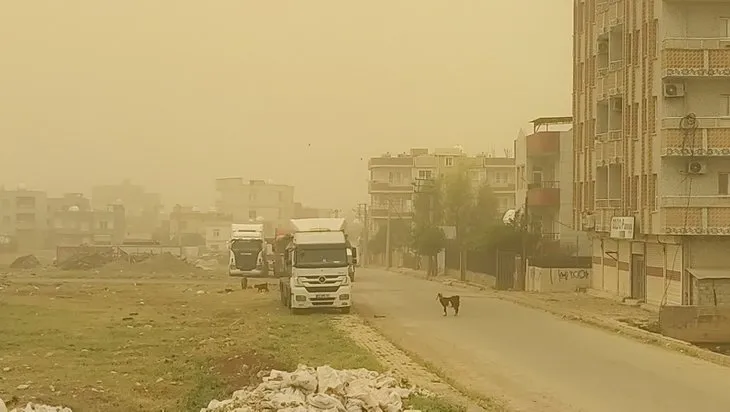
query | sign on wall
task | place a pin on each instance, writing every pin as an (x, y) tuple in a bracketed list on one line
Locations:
[(622, 227)]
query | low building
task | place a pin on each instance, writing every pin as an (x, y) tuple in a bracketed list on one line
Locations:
[(190, 225)]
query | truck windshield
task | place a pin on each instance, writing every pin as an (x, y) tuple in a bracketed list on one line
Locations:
[(321, 257), (246, 245)]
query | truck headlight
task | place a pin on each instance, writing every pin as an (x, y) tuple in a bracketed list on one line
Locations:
[(346, 280), (298, 281)]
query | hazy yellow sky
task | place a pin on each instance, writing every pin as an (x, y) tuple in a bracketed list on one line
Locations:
[(173, 94)]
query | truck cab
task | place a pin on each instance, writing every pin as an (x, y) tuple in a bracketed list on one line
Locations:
[(317, 267), (248, 252)]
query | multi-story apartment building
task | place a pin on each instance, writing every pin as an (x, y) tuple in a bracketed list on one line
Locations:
[(256, 200), (394, 179), (190, 225), (651, 108), (73, 222), (143, 208), (24, 217), (544, 168)]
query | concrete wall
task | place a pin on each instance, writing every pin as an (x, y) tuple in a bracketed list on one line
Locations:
[(696, 324), (557, 279)]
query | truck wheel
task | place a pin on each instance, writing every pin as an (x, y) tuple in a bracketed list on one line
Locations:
[(244, 283)]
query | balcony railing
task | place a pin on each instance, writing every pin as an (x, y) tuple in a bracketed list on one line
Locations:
[(542, 144), (696, 201), (608, 152), (543, 194), (391, 162), (608, 203), (696, 57), (608, 16), (544, 184), (602, 218), (695, 220), (710, 138), (609, 85), (396, 212), (386, 187)]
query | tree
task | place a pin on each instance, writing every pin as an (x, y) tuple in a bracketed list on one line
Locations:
[(400, 236), (459, 205), (427, 237)]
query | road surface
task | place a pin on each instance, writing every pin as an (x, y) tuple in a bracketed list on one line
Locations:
[(533, 360)]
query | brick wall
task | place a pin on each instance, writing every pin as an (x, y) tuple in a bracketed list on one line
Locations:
[(712, 292)]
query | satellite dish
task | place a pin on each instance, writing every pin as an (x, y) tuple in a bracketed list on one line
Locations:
[(260, 219), (73, 209), (509, 216), (118, 202)]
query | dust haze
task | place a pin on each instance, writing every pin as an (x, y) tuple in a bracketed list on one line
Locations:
[(173, 95)]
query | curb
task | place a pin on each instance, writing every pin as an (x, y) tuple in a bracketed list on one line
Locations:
[(595, 321)]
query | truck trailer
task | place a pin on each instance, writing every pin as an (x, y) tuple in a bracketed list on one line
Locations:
[(317, 265)]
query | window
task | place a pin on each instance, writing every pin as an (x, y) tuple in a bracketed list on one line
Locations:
[(103, 225), (425, 174), (216, 233), (723, 181), (252, 196), (725, 26), (449, 161), (252, 214)]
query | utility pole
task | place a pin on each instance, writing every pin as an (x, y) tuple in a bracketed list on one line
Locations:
[(363, 214), (387, 240)]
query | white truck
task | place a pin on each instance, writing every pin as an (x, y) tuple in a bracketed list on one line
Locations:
[(317, 266), (248, 252)]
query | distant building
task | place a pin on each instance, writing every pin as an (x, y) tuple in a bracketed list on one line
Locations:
[(191, 223), (256, 201), (544, 166), (305, 212), (395, 179), (74, 226), (24, 217), (142, 207)]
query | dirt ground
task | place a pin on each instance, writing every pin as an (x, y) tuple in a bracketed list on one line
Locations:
[(99, 341)]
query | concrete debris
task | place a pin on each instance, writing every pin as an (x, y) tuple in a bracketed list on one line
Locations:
[(25, 262), (34, 407), (321, 389), (93, 258)]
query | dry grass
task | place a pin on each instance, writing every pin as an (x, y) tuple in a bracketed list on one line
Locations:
[(157, 347)]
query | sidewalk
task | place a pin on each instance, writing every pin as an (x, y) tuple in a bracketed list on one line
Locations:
[(632, 321)]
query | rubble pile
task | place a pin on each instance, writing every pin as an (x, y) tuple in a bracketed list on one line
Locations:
[(93, 258), (25, 262), (165, 262), (321, 389), (34, 407)]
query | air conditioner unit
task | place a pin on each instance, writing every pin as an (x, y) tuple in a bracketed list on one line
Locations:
[(673, 90), (617, 105), (696, 168)]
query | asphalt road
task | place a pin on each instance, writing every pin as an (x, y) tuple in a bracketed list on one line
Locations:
[(533, 360)]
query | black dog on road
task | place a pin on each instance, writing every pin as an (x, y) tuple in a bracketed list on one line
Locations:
[(452, 301)]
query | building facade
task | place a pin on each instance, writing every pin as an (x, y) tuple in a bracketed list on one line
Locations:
[(394, 179), (651, 105), (544, 180), (192, 227), (24, 217), (73, 222), (256, 201), (143, 209)]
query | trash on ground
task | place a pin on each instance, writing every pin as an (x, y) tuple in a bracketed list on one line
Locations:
[(321, 389), (33, 407)]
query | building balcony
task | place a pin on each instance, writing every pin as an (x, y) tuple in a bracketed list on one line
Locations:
[(609, 15), (381, 212), (710, 138), (610, 151), (541, 144), (602, 218), (544, 194), (696, 57), (502, 188), (696, 220), (608, 203), (405, 161), (611, 84), (385, 187)]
